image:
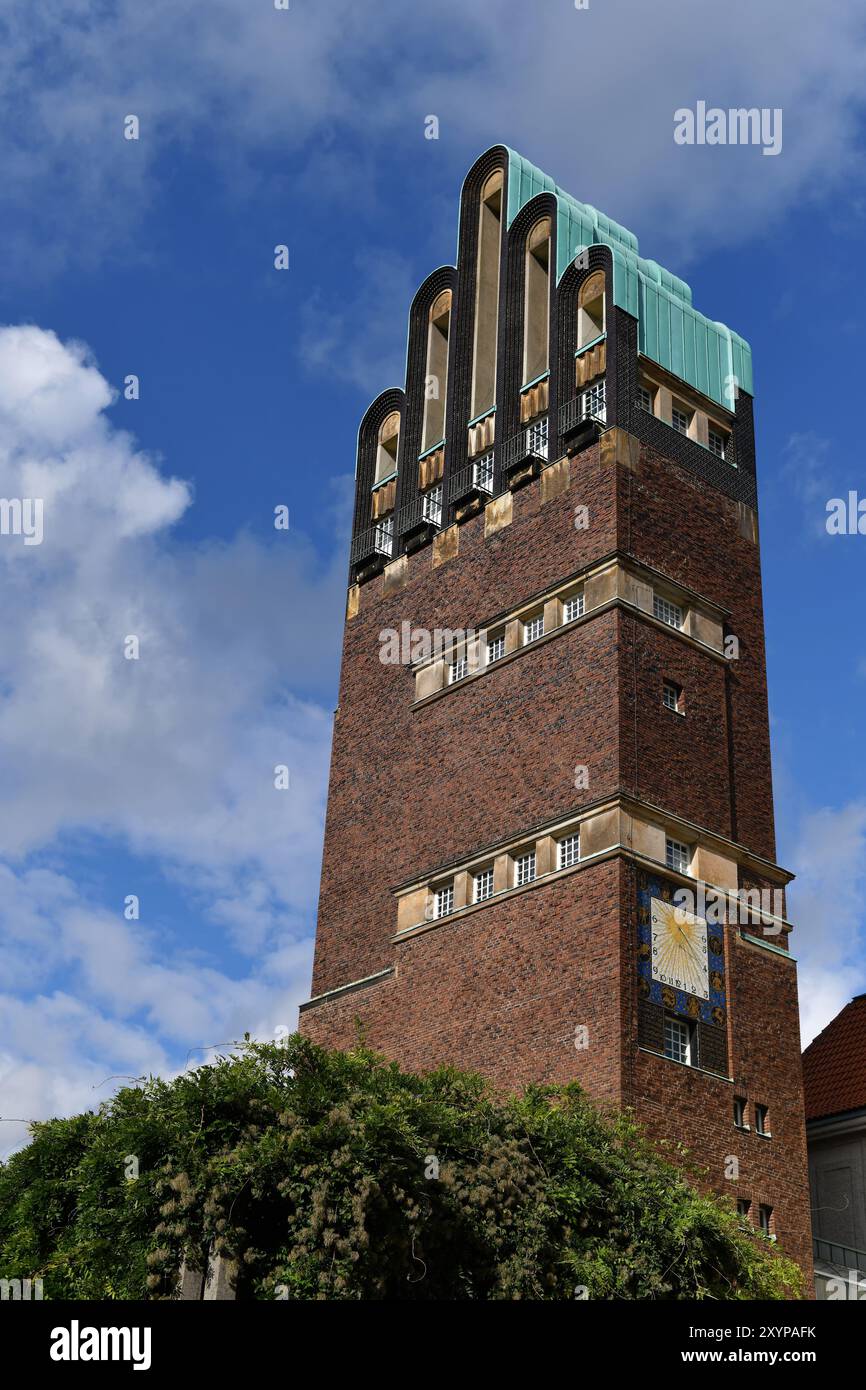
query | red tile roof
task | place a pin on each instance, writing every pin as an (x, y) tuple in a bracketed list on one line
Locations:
[(834, 1064)]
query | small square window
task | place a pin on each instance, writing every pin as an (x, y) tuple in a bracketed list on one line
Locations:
[(457, 670), (677, 855), (680, 418), (524, 869), (645, 398), (762, 1120), (443, 900), (672, 697), (679, 1038), (573, 607), (533, 628), (667, 612), (568, 851), (717, 444), (740, 1112), (496, 647), (765, 1220), (482, 886)]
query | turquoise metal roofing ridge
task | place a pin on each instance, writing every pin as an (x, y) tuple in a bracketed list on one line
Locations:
[(671, 331)]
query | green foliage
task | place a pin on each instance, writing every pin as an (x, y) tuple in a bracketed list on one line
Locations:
[(316, 1172)]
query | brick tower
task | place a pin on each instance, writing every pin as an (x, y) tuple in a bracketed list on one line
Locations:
[(553, 709)]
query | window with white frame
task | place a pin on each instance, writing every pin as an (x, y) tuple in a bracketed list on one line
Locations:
[(524, 868), (717, 443), (433, 505), (573, 607), (568, 851), (482, 885), (457, 670), (677, 855), (765, 1220), (679, 1039), (537, 437), (496, 646), (672, 697), (667, 612), (762, 1120), (482, 472), (681, 418), (645, 398), (443, 900), (384, 535), (593, 401), (533, 628)]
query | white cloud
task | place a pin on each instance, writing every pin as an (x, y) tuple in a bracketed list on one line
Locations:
[(590, 95), (827, 849), (170, 756)]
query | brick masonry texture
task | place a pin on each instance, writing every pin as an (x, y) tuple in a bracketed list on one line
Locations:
[(502, 989)]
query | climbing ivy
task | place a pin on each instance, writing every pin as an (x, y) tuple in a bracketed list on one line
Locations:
[(331, 1175)]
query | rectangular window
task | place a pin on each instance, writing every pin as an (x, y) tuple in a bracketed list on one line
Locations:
[(667, 612), (740, 1112), (765, 1220), (537, 438), (744, 1206), (384, 535), (533, 628), (482, 886), (645, 398), (524, 869), (677, 855), (717, 444), (572, 608), (593, 402), (568, 851), (482, 472), (678, 1039), (761, 1120), (433, 505), (443, 900), (496, 647), (672, 697), (457, 670), (680, 418)]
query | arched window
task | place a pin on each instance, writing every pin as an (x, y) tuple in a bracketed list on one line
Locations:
[(388, 444), (487, 296), (590, 309), (436, 378), (536, 303)]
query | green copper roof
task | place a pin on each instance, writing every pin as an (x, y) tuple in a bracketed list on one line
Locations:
[(706, 354)]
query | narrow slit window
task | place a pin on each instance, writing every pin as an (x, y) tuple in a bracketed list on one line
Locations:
[(436, 379), (487, 296), (387, 447), (536, 305)]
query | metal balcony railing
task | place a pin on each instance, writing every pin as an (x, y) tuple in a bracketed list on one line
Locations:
[(532, 442), (375, 541), (420, 512), (842, 1255), (588, 408), (475, 478)]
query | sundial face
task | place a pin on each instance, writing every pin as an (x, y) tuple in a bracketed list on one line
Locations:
[(679, 949)]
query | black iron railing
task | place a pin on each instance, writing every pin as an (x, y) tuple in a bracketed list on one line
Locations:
[(377, 540), (532, 442), (420, 512), (475, 479)]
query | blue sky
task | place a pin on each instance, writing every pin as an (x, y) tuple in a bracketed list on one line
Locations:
[(155, 257)]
